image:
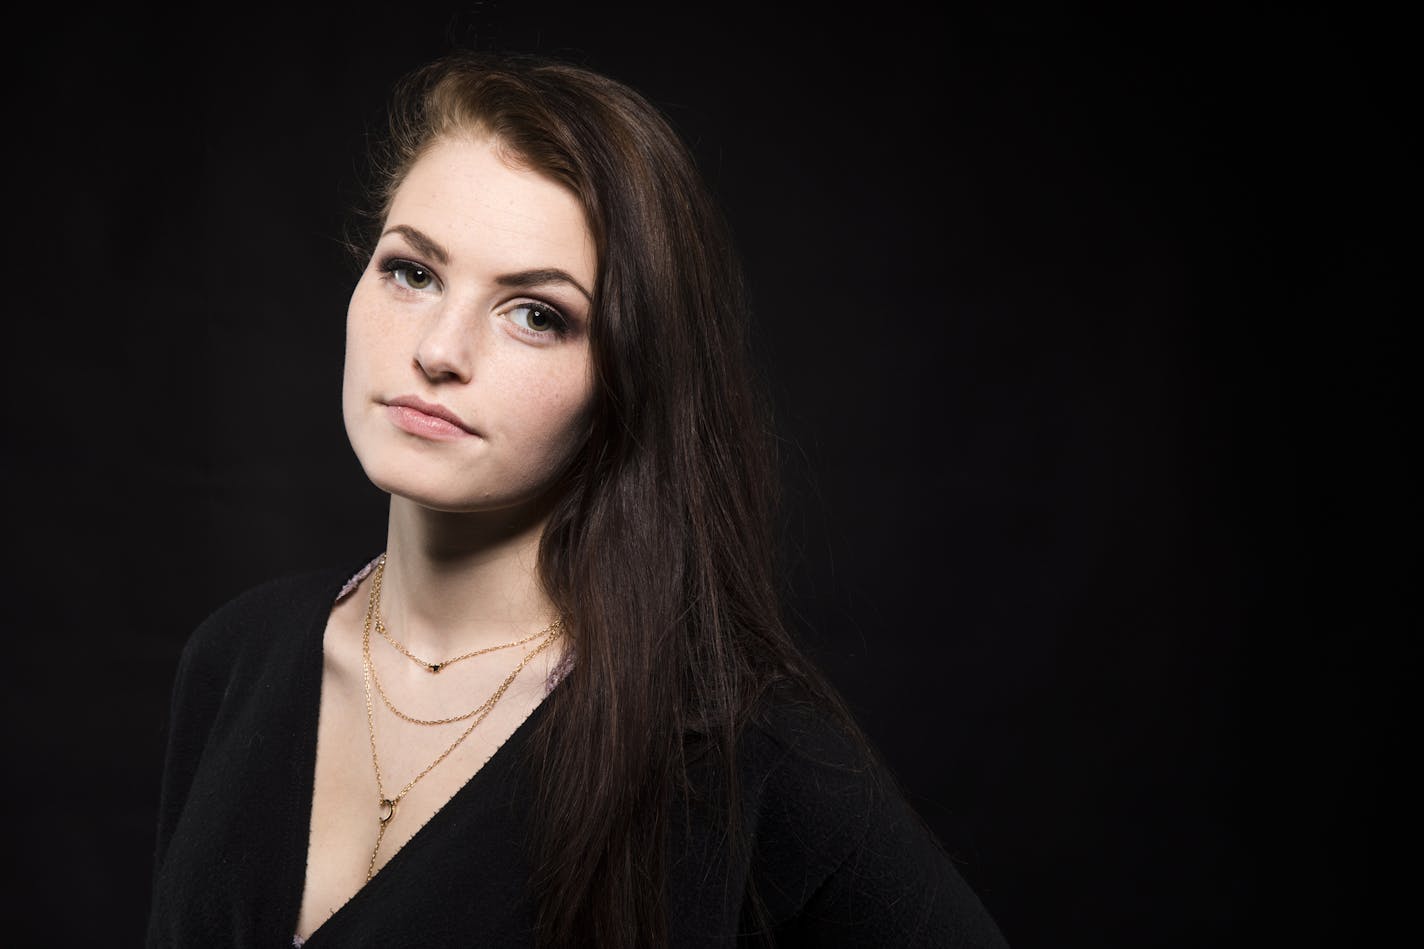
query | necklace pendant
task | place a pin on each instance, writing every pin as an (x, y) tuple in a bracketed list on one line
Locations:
[(435, 666), (388, 810)]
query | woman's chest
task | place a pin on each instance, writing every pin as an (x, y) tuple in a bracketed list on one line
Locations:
[(386, 789)]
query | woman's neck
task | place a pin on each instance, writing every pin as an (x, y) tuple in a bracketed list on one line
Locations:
[(459, 582)]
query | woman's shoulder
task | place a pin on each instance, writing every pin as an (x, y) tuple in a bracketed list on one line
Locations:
[(842, 858), (795, 726), (811, 781), (269, 611)]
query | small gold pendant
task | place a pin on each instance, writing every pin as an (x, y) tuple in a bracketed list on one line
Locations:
[(435, 666), (388, 810)]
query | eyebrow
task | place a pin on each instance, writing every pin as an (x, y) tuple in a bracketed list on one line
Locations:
[(524, 279), (527, 279), (421, 241)]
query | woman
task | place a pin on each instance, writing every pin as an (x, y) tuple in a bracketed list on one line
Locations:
[(560, 706)]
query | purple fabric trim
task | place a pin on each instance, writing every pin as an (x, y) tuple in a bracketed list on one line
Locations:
[(557, 674), (355, 581)]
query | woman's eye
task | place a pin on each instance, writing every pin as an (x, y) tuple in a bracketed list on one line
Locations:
[(410, 275), (536, 317), (416, 278)]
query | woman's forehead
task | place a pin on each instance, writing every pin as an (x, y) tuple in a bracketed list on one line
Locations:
[(466, 194)]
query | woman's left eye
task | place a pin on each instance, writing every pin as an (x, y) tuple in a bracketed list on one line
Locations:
[(537, 318)]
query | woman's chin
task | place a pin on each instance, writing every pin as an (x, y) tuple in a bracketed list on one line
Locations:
[(442, 499)]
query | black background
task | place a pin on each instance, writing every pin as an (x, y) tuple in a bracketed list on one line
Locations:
[(1081, 331)]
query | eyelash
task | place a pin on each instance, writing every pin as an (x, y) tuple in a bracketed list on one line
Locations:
[(560, 327), (391, 266)]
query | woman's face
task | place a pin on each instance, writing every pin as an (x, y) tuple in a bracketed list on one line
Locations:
[(468, 379)]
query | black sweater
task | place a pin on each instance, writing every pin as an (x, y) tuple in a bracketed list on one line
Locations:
[(836, 857)]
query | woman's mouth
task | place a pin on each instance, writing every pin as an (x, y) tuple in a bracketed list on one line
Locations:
[(426, 419)]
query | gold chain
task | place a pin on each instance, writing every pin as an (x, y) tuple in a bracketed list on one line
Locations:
[(386, 806), (437, 666), (550, 633)]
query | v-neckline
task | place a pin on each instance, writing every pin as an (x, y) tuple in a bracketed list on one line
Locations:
[(312, 724)]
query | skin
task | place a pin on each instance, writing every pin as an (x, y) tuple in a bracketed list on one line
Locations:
[(467, 509)]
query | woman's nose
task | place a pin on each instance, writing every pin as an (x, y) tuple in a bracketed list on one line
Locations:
[(447, 347)]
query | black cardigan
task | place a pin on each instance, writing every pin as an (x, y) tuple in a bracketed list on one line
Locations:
[(836, 857)]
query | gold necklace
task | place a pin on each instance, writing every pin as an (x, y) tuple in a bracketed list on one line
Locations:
[(437, 666), (386, 806), (550, 633)]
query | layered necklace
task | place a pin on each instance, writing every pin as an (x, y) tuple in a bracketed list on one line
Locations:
[(429, 666), (387, 804)]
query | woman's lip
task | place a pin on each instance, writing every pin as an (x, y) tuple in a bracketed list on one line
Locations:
[(431, 408), (424, 424)]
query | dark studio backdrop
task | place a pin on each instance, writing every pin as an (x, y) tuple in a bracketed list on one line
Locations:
[(1080, 333)]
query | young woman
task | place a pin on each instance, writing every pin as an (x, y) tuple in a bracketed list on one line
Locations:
[(560, 706)]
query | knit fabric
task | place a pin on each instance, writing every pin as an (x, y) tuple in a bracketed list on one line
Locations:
[(833, 854)]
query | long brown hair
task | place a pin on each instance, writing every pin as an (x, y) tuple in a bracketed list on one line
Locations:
[(661, 549)]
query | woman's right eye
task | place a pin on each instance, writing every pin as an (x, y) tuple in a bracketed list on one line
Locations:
[(408, 274)]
